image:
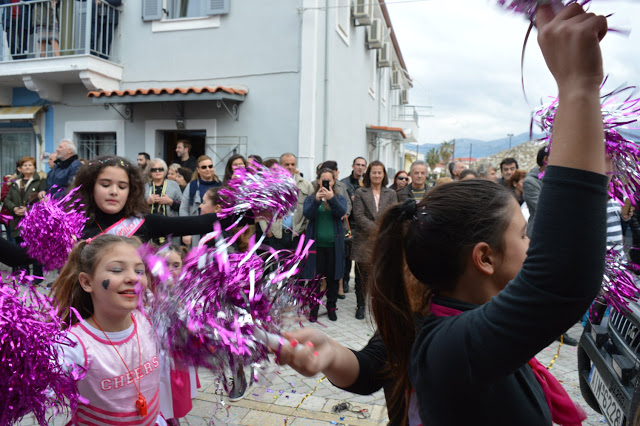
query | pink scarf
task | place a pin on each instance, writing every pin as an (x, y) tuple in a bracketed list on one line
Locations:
[(563, 410)]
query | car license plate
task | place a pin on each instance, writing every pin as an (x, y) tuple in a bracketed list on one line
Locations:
[(611, 409)]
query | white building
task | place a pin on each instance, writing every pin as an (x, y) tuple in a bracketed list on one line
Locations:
[(322, 79)]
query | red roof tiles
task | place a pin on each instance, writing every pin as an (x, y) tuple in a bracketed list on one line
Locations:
[(166, 91)]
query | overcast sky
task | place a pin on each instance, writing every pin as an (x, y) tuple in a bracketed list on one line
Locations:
[(464, 57)]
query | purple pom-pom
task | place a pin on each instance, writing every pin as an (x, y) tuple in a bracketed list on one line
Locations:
[(217, 313), (260, 190), (32, 379), (528, 7), (51, 228), (620, 108), (618, 284)]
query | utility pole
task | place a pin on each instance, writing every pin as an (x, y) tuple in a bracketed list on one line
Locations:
[(453, 153), (510, 136), (470, 151)]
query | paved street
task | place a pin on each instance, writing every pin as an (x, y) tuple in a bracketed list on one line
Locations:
[(280, 400)]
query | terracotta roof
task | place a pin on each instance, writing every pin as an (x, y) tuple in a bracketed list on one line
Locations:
[(166, 91), (389, 129)]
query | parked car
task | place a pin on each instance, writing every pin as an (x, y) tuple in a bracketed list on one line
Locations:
[(609, 363)]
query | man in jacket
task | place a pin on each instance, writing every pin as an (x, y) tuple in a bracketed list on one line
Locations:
[(353, 182), (532, 185), (65, 169), (418, 186)]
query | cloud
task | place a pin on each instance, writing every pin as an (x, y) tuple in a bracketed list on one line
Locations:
[(464, 57)]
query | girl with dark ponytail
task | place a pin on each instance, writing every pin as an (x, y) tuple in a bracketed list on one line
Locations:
[(470, 359)]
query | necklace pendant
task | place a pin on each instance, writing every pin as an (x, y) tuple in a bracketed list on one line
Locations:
[(141, 405)]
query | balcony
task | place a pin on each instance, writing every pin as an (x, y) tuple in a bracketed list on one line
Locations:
[(48, 43), (407, 117)]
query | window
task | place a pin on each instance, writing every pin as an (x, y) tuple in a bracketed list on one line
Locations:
[(343, 19), (91, 145), (163, 10), (186, 9), (15, 144), (373, 63)]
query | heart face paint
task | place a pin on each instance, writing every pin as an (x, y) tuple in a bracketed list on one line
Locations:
[(105, 284)]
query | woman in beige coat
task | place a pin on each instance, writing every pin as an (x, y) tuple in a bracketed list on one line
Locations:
[(369, 203)]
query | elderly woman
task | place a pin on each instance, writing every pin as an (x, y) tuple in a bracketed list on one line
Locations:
[(173, 171), (162, 195), (370, 202)]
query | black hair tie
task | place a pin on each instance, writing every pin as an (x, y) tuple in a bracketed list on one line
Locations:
[(408, 209)]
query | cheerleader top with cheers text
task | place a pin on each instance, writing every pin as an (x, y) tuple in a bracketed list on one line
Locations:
[(121, 366)]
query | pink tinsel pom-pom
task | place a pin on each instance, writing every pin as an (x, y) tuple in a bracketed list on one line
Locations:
[(618, 284), (51, 228), (259, 189), (32, 379)]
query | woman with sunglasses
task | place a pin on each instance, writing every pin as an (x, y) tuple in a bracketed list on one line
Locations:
[(400, 180), (162, 194), (204, 178)]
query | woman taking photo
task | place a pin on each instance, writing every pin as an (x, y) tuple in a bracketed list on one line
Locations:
[(203, 179), (400, 180), (369, 203), (325, 209), (162, 195), (470, 361)]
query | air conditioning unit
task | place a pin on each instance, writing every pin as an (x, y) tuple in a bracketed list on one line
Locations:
[(374, 36), (404, 96), (396, 78), (384, 55), (363, 11)]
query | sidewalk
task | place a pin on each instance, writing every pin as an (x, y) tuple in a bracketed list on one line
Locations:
[(280, 400)]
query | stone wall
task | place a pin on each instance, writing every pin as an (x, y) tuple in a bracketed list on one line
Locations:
[(524, 153)]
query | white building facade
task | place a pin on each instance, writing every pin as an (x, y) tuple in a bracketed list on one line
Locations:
[(323, 79)]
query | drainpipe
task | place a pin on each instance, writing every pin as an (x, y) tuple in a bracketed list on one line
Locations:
[(325, 121)]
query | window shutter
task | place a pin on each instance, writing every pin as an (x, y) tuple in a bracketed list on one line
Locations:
[(216, 7), (151, 10)]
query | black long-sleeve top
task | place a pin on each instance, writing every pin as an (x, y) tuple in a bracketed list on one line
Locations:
[(472, 368), (156, 226)]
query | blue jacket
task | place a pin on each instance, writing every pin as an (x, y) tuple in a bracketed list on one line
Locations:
[(62, 176), (338, 206)]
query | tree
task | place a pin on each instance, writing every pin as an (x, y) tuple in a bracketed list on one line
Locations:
[(432, 158), (446, 150)]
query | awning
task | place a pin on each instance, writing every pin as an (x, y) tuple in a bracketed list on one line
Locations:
[(166, 94), (393, 133), (19, 113)]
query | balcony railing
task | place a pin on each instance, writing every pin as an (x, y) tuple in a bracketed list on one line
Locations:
[(409, 112), (50, 28)]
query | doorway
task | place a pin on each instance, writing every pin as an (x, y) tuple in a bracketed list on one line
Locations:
[(197, 139)]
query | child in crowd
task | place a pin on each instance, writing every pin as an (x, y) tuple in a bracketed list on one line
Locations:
[(178, 386), (493, 300), (114, 341)]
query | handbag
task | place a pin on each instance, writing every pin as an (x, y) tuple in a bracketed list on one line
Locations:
[(347, 235)]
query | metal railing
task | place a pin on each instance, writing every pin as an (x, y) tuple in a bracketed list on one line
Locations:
[(404, 113), (220, 148), (49, 28), (409, 112)]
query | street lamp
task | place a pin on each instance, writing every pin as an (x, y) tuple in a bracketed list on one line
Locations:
[(510, 136)]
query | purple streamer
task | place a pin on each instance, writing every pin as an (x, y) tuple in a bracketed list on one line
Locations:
[(32, 378), (618, 284), (51, 228)]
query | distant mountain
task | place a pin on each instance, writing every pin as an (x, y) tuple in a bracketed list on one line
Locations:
[(476, 148)]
